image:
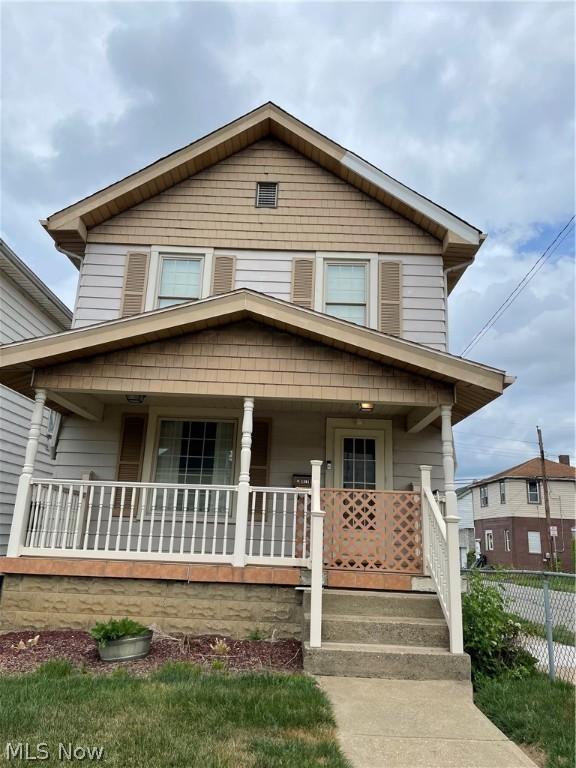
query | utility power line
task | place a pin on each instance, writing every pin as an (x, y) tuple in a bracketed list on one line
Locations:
[(509, 300)]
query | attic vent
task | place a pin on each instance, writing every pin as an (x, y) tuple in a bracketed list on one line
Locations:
[(266, 194)]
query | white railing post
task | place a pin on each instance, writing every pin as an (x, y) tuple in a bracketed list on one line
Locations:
[(240, 532), (451, 519), (316, 558), (23, 493), (425, 482)]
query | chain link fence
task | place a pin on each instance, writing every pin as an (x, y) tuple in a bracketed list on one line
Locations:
[(544, 604)]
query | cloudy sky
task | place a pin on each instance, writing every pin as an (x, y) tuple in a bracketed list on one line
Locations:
[(472, 104)]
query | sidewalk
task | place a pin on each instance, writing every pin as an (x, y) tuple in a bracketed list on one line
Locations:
[(413, 724)]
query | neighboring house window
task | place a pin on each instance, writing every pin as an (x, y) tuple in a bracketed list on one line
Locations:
[(502, 491), (195, 452), (346, 292), (534, 543), (507, 541), (180, 280), (489, 541), (533, 490), (483, 495)]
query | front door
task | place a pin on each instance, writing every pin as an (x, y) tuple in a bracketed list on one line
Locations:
[(359, 459)]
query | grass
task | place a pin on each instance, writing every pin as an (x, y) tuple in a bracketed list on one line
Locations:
[(560, 633), (534, 712), (556, 583), (180, 716)]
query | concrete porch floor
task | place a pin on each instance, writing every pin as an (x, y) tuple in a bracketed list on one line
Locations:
[(414, 724)]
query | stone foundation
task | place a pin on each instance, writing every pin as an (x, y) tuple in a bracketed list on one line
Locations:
[(77, 602)]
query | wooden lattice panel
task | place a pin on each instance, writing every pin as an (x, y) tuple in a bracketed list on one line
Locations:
[(372, 530)]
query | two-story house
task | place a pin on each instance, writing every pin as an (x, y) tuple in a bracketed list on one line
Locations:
[(259, 349), (510, 516), (28, 308)]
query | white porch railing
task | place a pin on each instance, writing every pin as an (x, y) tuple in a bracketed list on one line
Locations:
[(150, 521), (442, 559)]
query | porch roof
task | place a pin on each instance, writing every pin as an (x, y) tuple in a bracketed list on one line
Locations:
[(475, 384)]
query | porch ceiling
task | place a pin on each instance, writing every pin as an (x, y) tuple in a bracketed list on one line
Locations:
[(389, 369)]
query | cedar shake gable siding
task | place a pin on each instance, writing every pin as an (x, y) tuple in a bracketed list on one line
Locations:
[(317, 211), (245, 359)]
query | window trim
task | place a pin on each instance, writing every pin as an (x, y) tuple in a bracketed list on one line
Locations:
[(507, 540), (333, 257), (502, 489), (159, 252), (489, 532), (483, 499), (539, 499)]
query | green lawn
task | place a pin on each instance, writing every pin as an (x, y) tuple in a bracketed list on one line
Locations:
[(533, 711), (556, 583), (180, 716), (560, 633)]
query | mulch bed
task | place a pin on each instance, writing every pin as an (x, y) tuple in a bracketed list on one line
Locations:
[(79, 648)]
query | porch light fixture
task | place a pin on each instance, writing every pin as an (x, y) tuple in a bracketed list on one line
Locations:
[(365, 407), (135, 399)]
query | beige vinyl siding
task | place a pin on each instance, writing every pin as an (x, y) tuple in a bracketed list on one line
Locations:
[(562, 495), (316, 210), (410, 451), (245, 359), (20, 318)]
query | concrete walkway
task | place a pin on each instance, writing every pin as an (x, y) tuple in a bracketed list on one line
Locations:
[(413, 724)]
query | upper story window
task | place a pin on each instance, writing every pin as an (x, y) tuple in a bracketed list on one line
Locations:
[(502, 491), (533, 491), (180, 280), (483, 495), (266, 194), (346, 291)]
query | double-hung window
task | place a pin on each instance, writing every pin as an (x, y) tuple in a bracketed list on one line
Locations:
[(507, 541), (502, 491), (489, 541), (533, 491), (180, 280), (483, 495), (195, 452), (346, 291)]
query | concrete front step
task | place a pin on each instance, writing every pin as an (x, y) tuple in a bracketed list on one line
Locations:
[(397, 662), (349, 602), (384, 630)]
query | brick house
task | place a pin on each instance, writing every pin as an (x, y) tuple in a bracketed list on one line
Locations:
[(509, 515)]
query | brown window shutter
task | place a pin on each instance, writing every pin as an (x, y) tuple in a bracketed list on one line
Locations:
[(135, 278), (130, 456), (303, 283), (390, 297), (259, 461), (224, 273)]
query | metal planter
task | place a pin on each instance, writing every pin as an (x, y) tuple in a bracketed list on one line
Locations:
[(126, 648)]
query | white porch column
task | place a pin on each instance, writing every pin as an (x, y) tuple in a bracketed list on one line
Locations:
[(22, 502), (316, 558), (451, 519), (425, 482), (239, 558)]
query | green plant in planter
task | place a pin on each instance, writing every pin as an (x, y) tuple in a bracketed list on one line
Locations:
[(115, 629)]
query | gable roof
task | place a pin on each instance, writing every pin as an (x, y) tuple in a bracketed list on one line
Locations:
[(29, 282), (533, 469), (475, 384), (69, 227)]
